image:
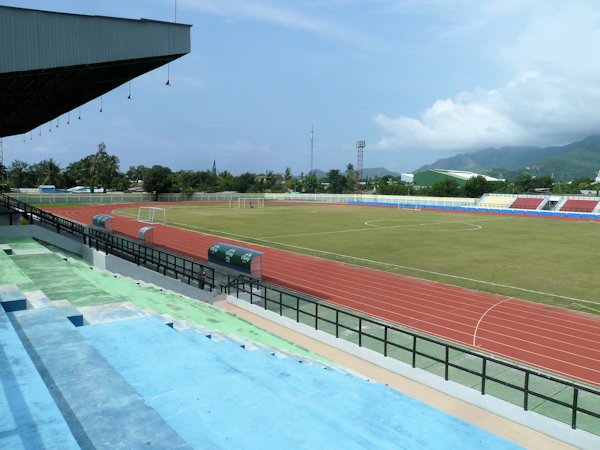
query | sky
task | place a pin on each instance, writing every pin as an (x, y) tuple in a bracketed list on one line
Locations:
[(418, 80)]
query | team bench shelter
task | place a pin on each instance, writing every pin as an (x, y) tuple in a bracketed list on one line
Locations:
[(237, 259)]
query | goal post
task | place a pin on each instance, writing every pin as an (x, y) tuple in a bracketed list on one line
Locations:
[(408, 207), (151, 214), (251, 202)]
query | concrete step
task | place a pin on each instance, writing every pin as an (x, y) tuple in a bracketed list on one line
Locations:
[(101, 408)]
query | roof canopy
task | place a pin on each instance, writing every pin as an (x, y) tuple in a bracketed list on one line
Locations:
[(51, 63)]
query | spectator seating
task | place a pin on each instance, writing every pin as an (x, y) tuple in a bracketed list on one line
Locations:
[(133, 382), (579, 205), (493, 201), (526, 203)]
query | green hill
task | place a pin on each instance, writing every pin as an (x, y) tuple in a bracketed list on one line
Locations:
[(564, 163), (583, 161)]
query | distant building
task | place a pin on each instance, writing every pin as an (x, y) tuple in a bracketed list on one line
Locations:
[(407, 177), (429, 177)]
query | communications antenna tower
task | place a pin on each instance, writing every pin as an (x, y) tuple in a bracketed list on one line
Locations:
[(311, 148), (360, 146)]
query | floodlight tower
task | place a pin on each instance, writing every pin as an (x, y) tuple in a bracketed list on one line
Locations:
[(360, 146)]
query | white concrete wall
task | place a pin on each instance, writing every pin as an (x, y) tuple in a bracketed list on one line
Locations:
[(550, 427)]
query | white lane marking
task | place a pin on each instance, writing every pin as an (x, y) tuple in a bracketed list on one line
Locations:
[(483, 315)]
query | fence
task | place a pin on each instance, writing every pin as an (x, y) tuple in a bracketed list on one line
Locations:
[(226, 197), (565, 401), (153, 258), (575, 404)]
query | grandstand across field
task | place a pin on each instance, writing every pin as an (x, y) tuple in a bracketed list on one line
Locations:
[(579, 205), (495, 202), (526, 203)]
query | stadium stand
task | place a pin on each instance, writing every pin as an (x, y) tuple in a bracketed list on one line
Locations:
[(124, 379), (62, 277), (526, 203), (579, 205), (493, 201)]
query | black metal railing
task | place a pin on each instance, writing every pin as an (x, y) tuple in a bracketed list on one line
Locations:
[(153, 258), (575, 404)]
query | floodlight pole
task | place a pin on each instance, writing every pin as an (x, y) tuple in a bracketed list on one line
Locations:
[(360, 146)]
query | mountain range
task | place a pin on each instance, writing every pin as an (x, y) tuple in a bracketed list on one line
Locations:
[(563, 163)]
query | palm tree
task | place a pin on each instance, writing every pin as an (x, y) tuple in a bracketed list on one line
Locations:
[(51, 172)]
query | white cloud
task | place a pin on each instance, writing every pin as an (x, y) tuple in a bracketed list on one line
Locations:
[(50, 146), (275, 12), (552, 98)]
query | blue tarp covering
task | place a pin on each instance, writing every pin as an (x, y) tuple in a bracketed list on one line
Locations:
[(100, 220)]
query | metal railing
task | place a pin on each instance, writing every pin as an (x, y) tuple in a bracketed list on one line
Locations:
[(569, 402), (159, 260), (575, 404)]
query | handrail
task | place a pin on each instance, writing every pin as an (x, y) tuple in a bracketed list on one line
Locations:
[(181, 267), (160, 260), (326, 317)]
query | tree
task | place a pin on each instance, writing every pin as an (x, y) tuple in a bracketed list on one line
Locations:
[(136, 173), (120, 183), (337, 181), (51, 173), (350, 178), (213, 174), (20, 175), (226, 182), (158, 179), (475, 187), (523, 183), (542, 182), (287, 175), (445, 188), (310, 183), (245, 182)]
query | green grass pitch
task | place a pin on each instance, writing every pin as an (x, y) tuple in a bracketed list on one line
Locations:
[(543, 260)]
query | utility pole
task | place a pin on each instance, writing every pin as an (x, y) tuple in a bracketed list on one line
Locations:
[(360, 146)]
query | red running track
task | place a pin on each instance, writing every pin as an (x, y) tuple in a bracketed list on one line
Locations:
[(554, 339)]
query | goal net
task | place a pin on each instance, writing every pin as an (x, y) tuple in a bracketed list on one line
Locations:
[(151, 214), (405, 207), (251, 202)]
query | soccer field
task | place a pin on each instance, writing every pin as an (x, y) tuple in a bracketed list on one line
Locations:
[(545, 260)]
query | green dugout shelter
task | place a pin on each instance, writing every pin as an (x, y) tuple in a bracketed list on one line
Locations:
[(237, 259)]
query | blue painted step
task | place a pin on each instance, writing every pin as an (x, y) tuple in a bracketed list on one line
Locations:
[(29, 418), (101, 409), (219, 393)]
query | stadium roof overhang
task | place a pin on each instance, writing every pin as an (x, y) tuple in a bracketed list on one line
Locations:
[(51, 63)]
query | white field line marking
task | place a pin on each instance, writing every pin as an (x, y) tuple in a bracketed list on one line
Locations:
[(397, 266), (375, 227), (483, 315)]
